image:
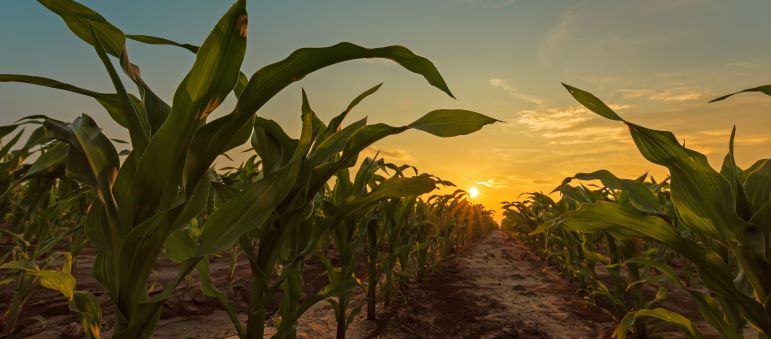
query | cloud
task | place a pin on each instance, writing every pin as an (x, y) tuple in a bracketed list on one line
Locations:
[(670, 95), (560, 32), (558, 119), (506, 182), (390, 155), (553, 118), (506, 87), (493, 183), (571, 125)]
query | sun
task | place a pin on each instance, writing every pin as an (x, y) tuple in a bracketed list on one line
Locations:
[(473, 192)]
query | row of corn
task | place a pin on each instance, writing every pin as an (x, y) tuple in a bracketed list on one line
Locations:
[(157, 196), (630, 242)]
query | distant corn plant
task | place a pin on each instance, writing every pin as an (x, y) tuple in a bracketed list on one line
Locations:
[(165, 181), (43, 214)]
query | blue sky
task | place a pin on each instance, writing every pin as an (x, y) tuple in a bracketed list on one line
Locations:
[(658, 62)]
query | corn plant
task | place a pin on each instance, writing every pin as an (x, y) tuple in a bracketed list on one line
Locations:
[(44, 218), (164, 182), (725, 210)]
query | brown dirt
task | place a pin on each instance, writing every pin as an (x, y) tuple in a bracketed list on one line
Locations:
[(495, 288)]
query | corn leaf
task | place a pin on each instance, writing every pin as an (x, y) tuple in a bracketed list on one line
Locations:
[(766, 89), (665, 315), (451, 122)]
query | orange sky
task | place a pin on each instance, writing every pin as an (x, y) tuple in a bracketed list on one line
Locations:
[(657, 62)]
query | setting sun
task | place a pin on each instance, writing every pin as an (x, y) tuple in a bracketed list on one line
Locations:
[(473, 192)]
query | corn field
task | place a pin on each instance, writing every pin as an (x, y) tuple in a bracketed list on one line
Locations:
[(628, 242), (270, 226)]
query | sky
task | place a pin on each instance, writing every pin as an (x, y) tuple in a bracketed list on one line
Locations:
[(656, 62)]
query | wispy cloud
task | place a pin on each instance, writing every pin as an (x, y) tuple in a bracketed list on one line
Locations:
[(505, 182), (560, 32), (571, 125), (514, 92), (553, 118), (669, 95), (397, 155), (493, 183)]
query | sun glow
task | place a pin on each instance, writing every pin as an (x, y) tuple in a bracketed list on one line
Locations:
[(473, 192)]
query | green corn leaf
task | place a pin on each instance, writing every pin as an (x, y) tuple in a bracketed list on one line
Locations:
[(246, 211), (110, 102), (53, 157), (89, 310), (154, 40), (766, 89), (208, 288), (212, 77), (621, 224), (138, 125), (92, 158), (702, 197), (451, 122), (7, 129), (733, 174), (336, 122), (6, 149), (592, 103), (81, 20), (396, 187), (641, 197), (272, 144), (665, 315), (758, 184), (227, 132)]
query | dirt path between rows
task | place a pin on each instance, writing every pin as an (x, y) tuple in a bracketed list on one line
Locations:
[(496, 288)]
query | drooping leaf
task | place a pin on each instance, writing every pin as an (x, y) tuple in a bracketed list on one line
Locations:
[(451, 122), (765, 89)]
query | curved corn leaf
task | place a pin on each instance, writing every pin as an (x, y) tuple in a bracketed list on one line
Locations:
[(451, 122), (212, 77), (641, 197), (138, 125), (702, 197), (89, 310), (92, 158), (53, 157), (766, 89), (621, 224), (665, 315), (395, 187), (246, 211), (110, 102), (336, 122), (154, 40), (81, 20), (592, 103), (758, 185), (229, 131)]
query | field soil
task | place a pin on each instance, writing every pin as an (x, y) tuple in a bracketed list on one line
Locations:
[(496, 287)]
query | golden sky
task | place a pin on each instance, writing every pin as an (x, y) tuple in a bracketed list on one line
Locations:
[(657, 62)]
